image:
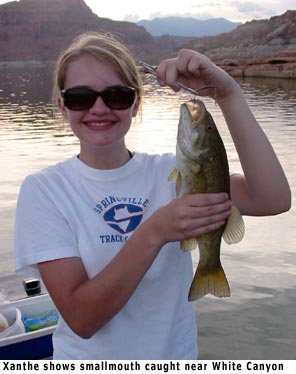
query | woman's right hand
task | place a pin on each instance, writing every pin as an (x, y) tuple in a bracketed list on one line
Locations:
[(190, 216)]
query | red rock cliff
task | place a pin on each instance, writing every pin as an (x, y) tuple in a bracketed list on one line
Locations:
[(40, 29)]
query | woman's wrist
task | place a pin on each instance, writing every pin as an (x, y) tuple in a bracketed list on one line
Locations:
[(151, 234), (233, 94)]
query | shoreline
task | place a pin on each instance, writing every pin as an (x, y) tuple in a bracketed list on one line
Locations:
[(260, 71), (29, 63), (254, 70)]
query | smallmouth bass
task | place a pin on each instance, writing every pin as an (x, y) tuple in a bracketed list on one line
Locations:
[(202, 167)]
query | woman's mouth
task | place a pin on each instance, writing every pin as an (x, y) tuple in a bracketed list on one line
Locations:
[(99, 125)]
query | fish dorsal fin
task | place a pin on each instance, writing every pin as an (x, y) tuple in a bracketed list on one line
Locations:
[(188, 245), (235, 227)]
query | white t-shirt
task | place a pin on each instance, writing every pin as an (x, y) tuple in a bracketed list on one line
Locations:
[(70, 210)]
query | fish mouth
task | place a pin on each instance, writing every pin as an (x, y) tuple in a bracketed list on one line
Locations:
[(192, 113), (196, 109)]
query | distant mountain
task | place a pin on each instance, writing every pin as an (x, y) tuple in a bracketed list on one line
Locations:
[(188, 26)]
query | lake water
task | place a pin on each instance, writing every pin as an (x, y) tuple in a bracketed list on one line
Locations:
[(258, 321)]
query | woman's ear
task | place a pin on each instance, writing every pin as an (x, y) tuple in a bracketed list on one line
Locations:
[(136, 106), (62, 108)]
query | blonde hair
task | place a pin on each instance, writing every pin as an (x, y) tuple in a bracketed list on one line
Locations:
[(103, 47)]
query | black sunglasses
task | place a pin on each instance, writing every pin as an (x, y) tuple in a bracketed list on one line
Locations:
[(82, 98)]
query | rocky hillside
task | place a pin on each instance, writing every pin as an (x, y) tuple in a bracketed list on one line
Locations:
[(40, 29), (264, 47)]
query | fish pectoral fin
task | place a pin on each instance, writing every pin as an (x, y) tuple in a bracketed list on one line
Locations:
[(235, 228), (214, 283), (173, 175), (188, 245)]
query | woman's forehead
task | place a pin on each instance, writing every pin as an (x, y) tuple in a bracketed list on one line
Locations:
[(87, 70)]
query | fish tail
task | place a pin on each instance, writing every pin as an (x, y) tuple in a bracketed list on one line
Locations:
[(214, 282)]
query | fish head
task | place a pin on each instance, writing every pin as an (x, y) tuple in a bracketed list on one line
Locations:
[(197, 132)]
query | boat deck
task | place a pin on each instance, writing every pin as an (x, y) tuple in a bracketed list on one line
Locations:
[(13, 286)]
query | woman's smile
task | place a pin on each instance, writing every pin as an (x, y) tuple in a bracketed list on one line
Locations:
[(99, 125)]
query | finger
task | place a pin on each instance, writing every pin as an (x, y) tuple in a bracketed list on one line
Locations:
[(208, 228), (188, 63), (167, 74), (205, 199), (212, 210), (198, 64), (198, 230), (183, 60), (210, 220), (172, 75), (191, 226), (161, 72)]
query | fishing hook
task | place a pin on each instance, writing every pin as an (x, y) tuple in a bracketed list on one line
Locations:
[(152, 70)]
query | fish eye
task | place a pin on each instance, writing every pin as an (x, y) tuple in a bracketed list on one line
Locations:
[(210, 127)]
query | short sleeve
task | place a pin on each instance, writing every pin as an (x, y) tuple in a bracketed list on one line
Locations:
[(42, 232)]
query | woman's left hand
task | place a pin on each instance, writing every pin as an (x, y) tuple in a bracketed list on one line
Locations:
[(196, 71)]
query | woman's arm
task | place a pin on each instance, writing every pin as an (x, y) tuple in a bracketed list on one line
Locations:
[(88, 304), (263, 189)]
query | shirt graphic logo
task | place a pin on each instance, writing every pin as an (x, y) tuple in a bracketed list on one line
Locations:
[(124, 218)]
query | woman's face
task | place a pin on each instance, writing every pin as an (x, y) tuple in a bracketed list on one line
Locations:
[(98, 126)]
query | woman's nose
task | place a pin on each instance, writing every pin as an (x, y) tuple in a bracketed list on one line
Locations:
[(99, 106)]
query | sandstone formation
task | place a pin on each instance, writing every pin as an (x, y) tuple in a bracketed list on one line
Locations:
[(256, 48), (39, 29)]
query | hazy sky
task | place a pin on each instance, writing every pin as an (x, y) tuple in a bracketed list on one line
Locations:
[(236, 10)]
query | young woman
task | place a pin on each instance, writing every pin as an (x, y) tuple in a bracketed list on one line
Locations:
[(103, 228)]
